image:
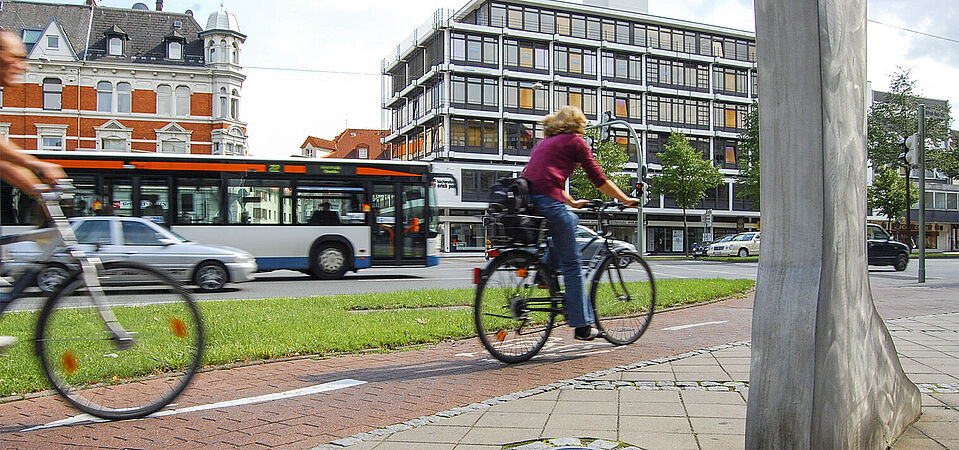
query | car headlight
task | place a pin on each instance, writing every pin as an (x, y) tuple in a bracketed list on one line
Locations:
[(244, 259)]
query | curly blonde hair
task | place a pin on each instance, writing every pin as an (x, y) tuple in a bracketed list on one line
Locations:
[(568, 120)]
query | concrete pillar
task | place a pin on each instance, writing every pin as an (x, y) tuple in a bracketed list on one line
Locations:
[(824, 370)]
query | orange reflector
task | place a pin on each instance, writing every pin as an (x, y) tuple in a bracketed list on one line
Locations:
[(501, 335), (492, 253), (476, 274), (178, 327), (69, 362), (522, 273)]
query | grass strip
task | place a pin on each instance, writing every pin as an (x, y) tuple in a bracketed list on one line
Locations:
[(248, 330)]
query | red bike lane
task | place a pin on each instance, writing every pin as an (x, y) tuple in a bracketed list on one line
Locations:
[(305, 402)]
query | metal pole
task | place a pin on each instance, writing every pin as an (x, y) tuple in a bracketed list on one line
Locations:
[(908, 208), (640, 163), (922, 193)]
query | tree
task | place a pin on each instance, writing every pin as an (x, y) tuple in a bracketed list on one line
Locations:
[(888, 194), (685, 177), (749, 160), (896, 118), (947, 159), (612, 158)]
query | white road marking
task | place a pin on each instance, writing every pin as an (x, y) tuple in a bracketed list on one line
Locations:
[(683, 327), (325, 387)]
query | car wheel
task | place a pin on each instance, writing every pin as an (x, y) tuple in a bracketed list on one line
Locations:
[(743, 252), (329, 262), (623, 262), (51, 277), (901, 262), (211, 276)]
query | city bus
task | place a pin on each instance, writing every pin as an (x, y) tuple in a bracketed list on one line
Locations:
[(321, 217)]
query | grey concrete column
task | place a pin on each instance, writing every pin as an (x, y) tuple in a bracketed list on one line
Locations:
[(824, 372)]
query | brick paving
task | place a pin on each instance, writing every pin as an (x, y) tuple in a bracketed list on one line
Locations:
[(399, 386)]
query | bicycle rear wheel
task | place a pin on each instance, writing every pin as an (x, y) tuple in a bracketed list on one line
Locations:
[(515, 307), (83, 362), (624, 296)]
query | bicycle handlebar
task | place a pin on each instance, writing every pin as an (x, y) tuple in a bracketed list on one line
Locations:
[(599, 205)]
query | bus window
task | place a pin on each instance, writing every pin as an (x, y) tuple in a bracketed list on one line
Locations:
[(330, 204), (255, 201), (199, 201), (88, 200), (18, 208), (121, 197), (154, 199)]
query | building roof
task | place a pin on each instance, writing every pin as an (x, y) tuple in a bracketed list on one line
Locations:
[(146, 31), (347, 143), (223, 21)]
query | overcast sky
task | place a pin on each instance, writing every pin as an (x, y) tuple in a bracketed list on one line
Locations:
[(290, 43)]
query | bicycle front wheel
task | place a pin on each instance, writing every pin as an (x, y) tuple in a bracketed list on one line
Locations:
[(623, 294), (90, 368), (515, 307)]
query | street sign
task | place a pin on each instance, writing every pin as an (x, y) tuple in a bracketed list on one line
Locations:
[(709, 218)]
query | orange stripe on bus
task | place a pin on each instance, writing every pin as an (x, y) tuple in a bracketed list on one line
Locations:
[(214, 167), (81, 164), (372, 171), (294, 169)]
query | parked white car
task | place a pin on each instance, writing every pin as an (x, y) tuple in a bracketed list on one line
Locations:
[(134, 239), (742, 245)]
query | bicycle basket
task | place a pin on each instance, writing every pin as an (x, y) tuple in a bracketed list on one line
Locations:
[(515, 229)]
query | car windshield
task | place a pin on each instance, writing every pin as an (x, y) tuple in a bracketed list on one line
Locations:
[(726, 238)]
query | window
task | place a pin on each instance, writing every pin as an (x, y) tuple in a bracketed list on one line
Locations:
[(526, 56), (480, 136), (182, 101), (51, 143), (563, 24), (94, 232), (330, 203), (223, 56), (575, 61), (475, 49), (362, 152), (199, 200), (171, 146), (730, 81), (164, 100), (235, 105), (520, 137), (670, 73), (730, 117), (477, 183), (621, 67), (113, 144), (256, 201), (104, 96), (524, 96), (582, 98), (52, 93), (223, 103), (115, 46), (139, 233), (236, 53), (175, 50), (53, 42), (624, 105), (677, 111), (124, 97), (475, 93)]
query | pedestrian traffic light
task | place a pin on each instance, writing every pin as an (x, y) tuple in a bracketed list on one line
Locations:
[(642, 192), (910, 148)]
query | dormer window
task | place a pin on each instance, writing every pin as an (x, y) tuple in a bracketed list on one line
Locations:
[(175, 50), (53, 42), (115, 40), (115, 46)]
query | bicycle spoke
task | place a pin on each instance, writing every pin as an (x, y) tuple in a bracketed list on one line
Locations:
[(624, 299)]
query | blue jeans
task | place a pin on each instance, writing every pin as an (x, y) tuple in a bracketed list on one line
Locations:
[(566, 256)]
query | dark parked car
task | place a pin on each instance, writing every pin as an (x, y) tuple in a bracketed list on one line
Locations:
[(590, 243), (883, 251)]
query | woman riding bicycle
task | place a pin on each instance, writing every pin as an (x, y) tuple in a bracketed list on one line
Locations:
[(551, 163)]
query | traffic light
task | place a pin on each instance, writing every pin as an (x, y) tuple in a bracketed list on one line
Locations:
[(605, 133), (910, 148)]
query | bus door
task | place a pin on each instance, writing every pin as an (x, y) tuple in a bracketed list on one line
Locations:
[(117, 197), (154, 199), (399, 226)]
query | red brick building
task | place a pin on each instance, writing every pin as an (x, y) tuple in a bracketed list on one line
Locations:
[(352, 143), (117, 79)]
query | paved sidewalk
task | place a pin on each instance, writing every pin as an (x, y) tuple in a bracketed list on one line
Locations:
[(695, 400)]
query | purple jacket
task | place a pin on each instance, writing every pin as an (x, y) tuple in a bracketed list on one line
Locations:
[(554, 159)]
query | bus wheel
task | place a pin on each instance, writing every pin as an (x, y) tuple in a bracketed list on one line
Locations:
[(330, 262)]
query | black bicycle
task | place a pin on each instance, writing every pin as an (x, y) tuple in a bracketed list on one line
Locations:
[(519, 295), (101, 356)]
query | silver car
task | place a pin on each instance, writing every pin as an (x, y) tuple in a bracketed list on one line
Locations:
[(590, 243), (134, 239)]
